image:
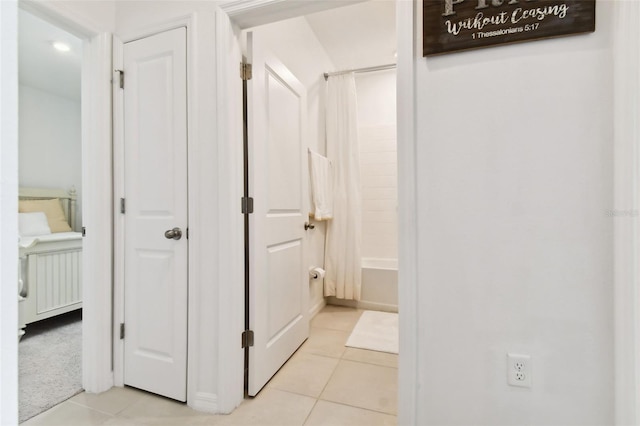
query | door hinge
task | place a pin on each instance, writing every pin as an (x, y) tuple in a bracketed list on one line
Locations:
[(247, 338), (187, 233), (247, 205), (121, 330), (122, 206), (246, 71), (121, 74), (84, 231)]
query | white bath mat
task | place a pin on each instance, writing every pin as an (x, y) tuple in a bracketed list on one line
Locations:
[(376, 331)]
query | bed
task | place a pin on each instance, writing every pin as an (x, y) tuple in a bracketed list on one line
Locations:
[(50, 255)]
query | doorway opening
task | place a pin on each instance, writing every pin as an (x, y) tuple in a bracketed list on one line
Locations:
[(325, 42), (50, 214)]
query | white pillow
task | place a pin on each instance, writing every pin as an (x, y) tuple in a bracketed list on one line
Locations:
[(32, 224)]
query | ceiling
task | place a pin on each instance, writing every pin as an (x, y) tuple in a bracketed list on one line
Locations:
[(246, 14), (359, 35), (43, 67)]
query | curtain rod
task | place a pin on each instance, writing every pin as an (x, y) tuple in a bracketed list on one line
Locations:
[(367, 69)]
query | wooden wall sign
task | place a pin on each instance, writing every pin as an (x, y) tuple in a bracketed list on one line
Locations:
[(452, 25)]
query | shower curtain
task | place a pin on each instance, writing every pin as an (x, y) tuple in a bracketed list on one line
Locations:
[(344, 232)]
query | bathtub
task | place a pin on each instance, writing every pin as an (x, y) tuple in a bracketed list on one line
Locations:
[(379, 286)]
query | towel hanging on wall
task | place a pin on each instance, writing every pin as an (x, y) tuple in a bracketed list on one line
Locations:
[(321, 186)]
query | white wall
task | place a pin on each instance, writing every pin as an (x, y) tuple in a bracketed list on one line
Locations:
[(514, 175), (50, 145), (376, 93), (295, 44), (8, 212)]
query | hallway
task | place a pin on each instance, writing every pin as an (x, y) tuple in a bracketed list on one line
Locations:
[(324, 383)]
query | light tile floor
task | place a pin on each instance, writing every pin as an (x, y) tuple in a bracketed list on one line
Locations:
[(324, 383)]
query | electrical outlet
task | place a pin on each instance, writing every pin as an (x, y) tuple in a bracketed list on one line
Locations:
[(519, 370)]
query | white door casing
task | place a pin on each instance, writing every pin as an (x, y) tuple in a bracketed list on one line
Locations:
[(279, 283), (155, 174)]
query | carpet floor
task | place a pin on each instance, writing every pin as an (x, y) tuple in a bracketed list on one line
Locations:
[(50, 363)]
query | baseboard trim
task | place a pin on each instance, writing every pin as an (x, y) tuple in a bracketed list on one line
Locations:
[(362, 304), (317, 308), (205, 402)]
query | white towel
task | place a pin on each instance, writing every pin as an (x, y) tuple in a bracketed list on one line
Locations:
[(321, 186)]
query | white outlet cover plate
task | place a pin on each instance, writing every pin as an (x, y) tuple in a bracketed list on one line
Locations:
[(519, 370)]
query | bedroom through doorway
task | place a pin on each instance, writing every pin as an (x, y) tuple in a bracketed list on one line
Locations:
[(50, 214)]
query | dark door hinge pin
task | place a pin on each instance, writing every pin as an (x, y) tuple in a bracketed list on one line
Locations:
[(246, 71), (121, 78), (247, 338), (247, 205)]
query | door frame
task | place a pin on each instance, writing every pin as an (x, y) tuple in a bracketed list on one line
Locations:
[(248, 13), (8, 211), (96, 207), (193, 344), (96, 147)]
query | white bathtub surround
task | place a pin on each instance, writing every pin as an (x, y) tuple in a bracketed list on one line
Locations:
[(376, 331), (379, 177), (378, 163), (379, 181), (379, 286), (344, 235)]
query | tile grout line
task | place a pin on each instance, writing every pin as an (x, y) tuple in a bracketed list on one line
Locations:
[(330, 377), (325, 385), (368, 363), (348, 405), (359, 408), (89, 408), (306, 419), (360, 362), (338, 363)]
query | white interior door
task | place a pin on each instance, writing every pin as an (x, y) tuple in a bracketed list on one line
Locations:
[(155, 141), (279, 283)]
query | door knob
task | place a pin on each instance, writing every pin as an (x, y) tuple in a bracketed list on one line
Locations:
[(175, 234), (308, 226)]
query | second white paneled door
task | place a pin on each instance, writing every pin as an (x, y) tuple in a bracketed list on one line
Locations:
[(279, 279), (156, 249)]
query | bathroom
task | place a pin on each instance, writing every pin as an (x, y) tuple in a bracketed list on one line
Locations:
[(356, 37)]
